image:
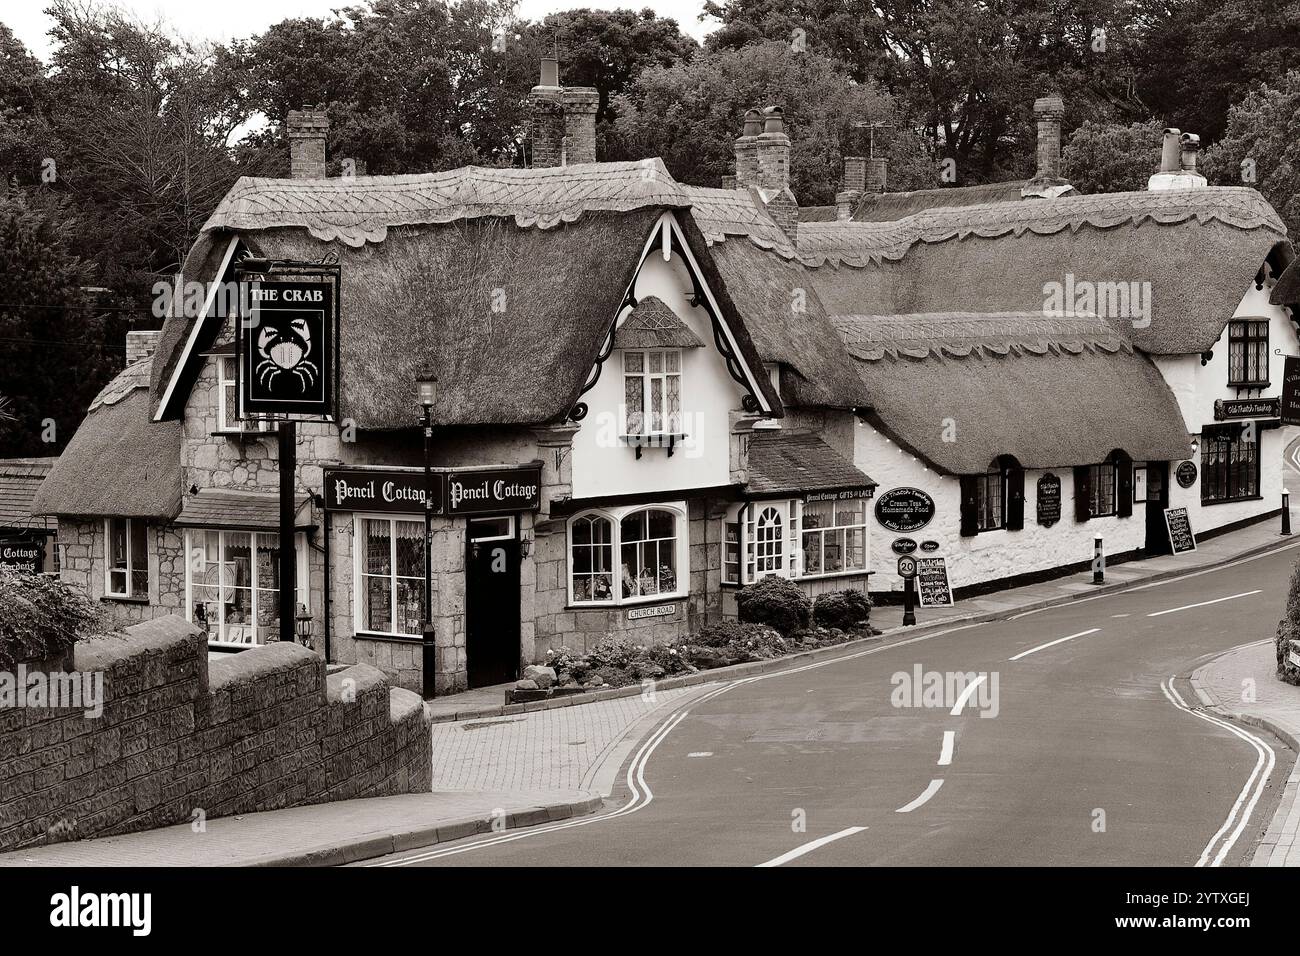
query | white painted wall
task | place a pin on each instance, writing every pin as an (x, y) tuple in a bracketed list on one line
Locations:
[(602, 464), (1197, 387), (990, 555)]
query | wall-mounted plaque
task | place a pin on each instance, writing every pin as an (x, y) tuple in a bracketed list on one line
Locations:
[(1186, 474), (903, 545), (1049, 500), (904, 510)]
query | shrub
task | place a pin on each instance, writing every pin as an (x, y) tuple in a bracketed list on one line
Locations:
[(845, 610), (720, 634), (776, 602), (1288, 629), (42, 617)]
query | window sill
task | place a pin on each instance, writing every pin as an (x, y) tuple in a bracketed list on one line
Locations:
[(393, 638), (855, 572), (628, 602), (1251, 385), (124, 599), (242, 435), (1206, 502)]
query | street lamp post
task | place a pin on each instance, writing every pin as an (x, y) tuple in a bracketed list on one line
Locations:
[(427, 390)]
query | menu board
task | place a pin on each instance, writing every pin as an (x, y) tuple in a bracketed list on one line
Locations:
[(1181, 537), (1049, 500), (932, 582)]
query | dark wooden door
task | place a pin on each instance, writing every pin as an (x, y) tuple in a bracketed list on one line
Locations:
[(492, 611), (1157, 502)]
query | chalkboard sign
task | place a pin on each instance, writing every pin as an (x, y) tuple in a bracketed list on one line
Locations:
[(1290, 410), (932, 582), (1181, 537), (1049, 500)]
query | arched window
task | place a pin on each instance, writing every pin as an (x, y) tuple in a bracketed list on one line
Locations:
[(591, 538), (624, 555), (768, 541), (994, 499)]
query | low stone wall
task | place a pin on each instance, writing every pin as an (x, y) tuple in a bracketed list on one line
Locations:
[(181, 741)]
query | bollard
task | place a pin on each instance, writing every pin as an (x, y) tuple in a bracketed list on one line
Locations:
[(909, 601), (1098, 562), (1286, 511)]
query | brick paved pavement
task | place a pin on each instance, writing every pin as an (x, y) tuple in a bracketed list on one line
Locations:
[(1228, 683)]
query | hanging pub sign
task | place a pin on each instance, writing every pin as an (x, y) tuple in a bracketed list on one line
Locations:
[(1049, 500), (1290, 402), (24, 555), (1186, 474), (932, 583), (1179, 524), (287, 344), (1228, 409), (904, 510), (495, 489), (399, 492)]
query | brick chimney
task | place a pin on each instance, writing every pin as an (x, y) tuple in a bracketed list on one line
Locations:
[(563, 119), (763, 166), (865, 173), (1178, 155), (140, 345), (1047, 182), (307, 128), (747, 149)]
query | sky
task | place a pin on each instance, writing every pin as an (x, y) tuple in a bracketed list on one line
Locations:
[(228, 19)]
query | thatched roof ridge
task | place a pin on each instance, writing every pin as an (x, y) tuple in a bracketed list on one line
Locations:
[(862, 243), (962, 334), (119, 462), (360, 209), (886, 207), (722, 213)]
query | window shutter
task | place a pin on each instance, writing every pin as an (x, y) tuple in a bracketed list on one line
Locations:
[(1015, 499), (1082, 491), (1124, 487), (969, 524)]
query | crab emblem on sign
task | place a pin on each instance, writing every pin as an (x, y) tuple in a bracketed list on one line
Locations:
[(287, 348)]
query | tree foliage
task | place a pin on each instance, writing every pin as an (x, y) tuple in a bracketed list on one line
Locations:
[(1110, 157)]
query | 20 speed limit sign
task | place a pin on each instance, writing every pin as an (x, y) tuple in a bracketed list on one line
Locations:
[(907, 566)]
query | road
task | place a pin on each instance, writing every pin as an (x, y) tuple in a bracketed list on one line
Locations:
[(1087, 755)]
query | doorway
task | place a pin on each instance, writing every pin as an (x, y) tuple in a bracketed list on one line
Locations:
[(492, 601), (1157, 501)]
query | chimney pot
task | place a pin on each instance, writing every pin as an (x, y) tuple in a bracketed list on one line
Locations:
[(753, 123), (550, 71), (774, 120), (1170, 150), (1191, 148)]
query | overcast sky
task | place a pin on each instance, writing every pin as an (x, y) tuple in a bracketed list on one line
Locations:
[(227, 19)]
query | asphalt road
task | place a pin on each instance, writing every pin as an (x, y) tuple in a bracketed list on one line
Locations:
[(1084, 759)]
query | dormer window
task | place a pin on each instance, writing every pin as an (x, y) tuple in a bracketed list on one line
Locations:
[(1248, 353), (652, 390)]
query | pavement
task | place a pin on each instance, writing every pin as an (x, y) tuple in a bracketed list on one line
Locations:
[(1243, 684), (499, 767)]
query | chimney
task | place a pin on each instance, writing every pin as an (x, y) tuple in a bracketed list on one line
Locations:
[(140, 345), (846, 202), (773, 149), (747, 149), (563, 127), (307, 128), (1178, 155), (1047, 182)]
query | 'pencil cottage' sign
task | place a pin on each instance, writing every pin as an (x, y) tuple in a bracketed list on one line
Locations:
[(399, 492), (500, 489)]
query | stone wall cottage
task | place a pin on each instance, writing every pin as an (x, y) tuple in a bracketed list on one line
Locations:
[(589, 349)]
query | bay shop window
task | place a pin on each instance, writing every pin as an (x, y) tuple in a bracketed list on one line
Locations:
[(628, 555), (796, 539), (232, 584)]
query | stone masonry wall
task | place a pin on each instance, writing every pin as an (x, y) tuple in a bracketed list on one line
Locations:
[(180, 739)]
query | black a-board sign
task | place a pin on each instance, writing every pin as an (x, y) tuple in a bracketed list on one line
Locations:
[(1181, 536), (1290, 406), (932, 585), (287, 343)]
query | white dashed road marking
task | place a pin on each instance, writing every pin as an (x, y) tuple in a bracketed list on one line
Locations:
[(809, 847), (1059, 640), (930, 791)]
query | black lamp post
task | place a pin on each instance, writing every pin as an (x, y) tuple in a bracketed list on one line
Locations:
[(427, 390)]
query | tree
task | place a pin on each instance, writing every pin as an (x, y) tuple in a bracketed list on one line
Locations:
[(26, 138), (1260, 148), (1108, 157), (53, 342), (1201, 56), (690, 115)]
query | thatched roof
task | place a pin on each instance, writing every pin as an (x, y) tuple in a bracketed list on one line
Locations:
[(724, 213), (886, 207), (653, 325), (119, 462), (818, 213), (1198, 249), (19, 479), (961, 389), (784, 463), (360, 209)]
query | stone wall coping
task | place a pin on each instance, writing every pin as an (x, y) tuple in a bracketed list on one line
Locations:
[(247, 666), (160, 634), (365, 677)]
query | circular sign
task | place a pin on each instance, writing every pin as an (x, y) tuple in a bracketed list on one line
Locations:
[(904, 509), (903, 546), (929, 545), (907, 567), (1186, 474)]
